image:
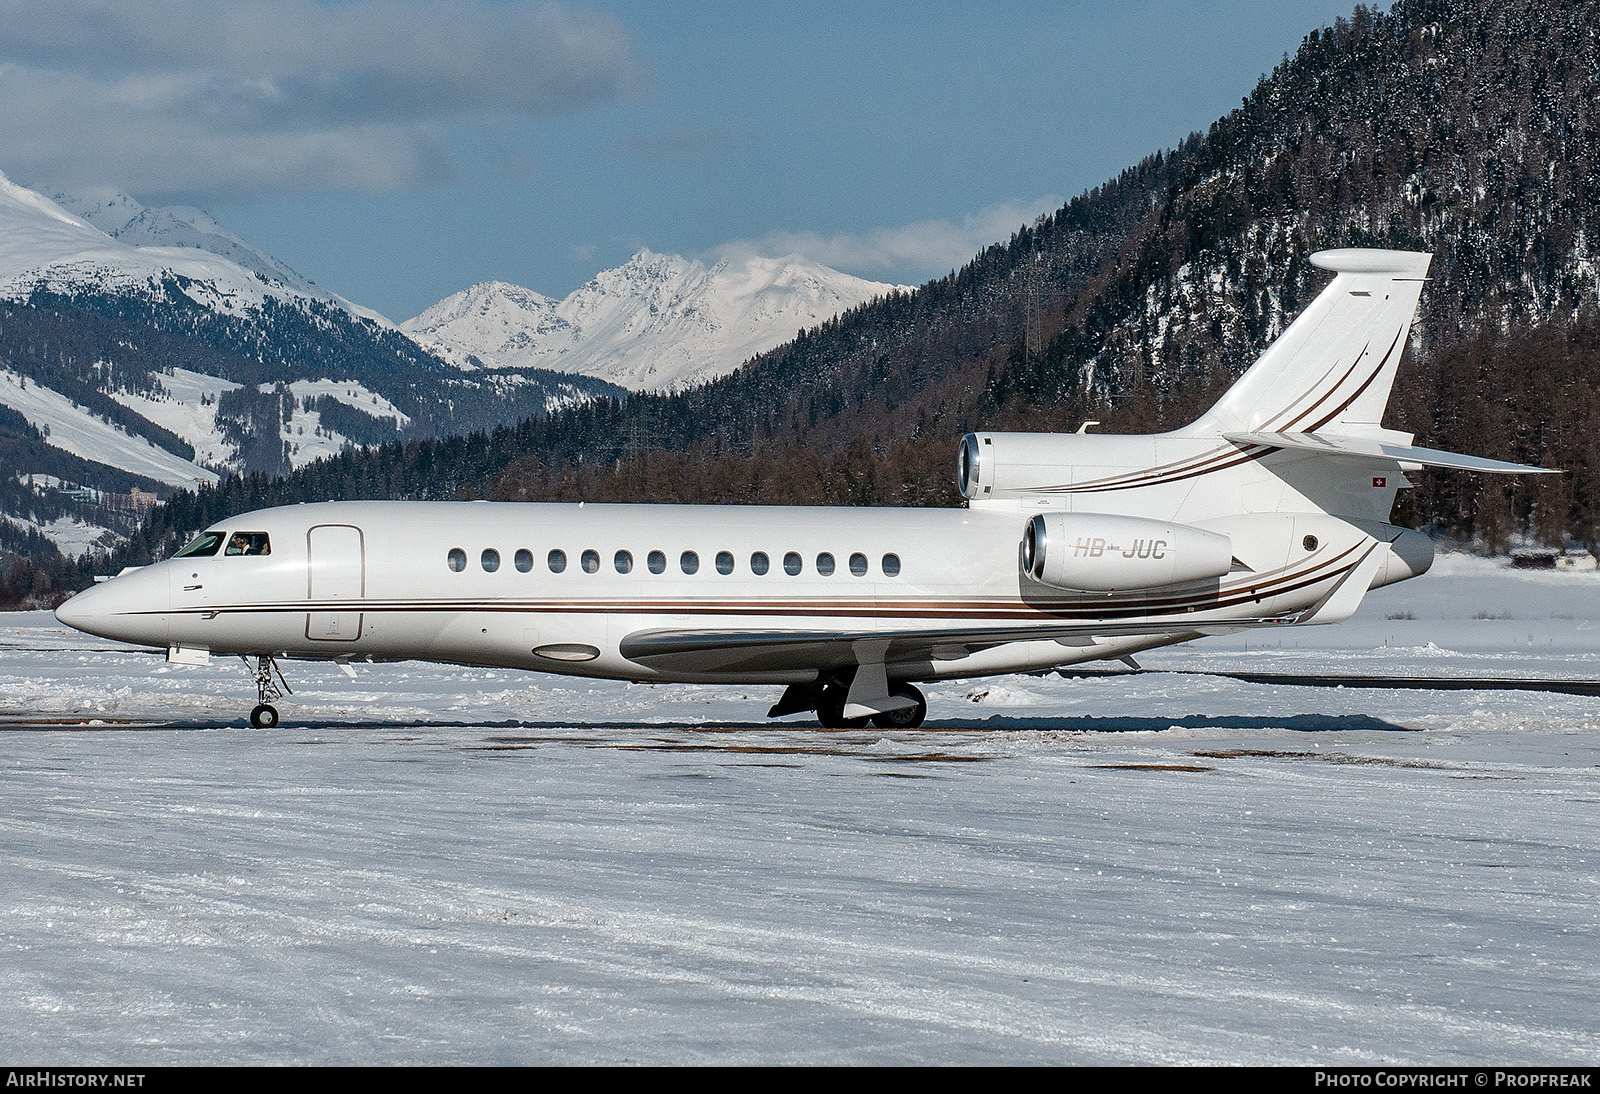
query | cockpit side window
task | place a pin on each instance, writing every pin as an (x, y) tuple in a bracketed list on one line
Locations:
[(248, 543), (205, 544)]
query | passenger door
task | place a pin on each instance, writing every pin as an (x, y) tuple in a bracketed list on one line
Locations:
[(337, 572)]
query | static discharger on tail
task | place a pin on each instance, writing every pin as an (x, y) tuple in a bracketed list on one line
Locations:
[(1270, 510)]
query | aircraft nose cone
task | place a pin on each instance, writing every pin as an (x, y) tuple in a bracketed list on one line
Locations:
[(77, 611), (130, 608)]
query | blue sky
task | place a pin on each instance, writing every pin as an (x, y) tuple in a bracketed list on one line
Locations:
[(396, 151)]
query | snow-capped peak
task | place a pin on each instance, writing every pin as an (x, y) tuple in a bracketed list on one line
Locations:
[(658, 322), (35, 231), (125, 219), (105, 207), (45, 245)]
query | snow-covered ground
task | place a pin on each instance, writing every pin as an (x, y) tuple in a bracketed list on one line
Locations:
[(433, 864)]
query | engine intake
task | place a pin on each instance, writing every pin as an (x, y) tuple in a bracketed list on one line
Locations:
[(996, 465), (1096, 552)]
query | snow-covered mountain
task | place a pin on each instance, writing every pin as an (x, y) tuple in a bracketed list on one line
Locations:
[(123, 218), (45, 246), (152, 348), (656, 323)]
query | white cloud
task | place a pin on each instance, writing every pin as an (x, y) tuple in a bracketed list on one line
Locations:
[(228, 95), (927, 248)]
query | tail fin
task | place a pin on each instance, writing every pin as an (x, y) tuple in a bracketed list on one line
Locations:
[(1335, 365)]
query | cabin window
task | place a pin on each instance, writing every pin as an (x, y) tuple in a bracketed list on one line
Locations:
[(557, 560), (759, 562), (724, 562), (523, 559), (858, 564), (248, 543), (791, 564), (489, 560), (457, 559), (825, 564), (623, 561), (590, 560), (891, 565), (690, 562), (657, 562), (205, 544)]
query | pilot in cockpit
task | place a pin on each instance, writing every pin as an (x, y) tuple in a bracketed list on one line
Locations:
[(248, 543)]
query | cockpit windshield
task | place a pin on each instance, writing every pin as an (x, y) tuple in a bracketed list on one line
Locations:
[(206, 543), (249, 543)]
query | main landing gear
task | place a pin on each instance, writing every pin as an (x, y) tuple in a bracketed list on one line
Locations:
[(268, 690), (828, 699)]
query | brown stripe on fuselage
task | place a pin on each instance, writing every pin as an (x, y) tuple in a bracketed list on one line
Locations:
[(1275, 583)]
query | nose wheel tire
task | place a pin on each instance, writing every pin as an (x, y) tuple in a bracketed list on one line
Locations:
[(270, 686)]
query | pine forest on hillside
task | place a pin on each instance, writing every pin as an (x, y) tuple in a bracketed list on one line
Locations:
[(1466, 128)]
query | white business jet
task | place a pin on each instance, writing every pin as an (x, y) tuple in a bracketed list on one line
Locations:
[(1269, 511)]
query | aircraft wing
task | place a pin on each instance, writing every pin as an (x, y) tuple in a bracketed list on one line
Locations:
[(707, 651), (1366, 448)]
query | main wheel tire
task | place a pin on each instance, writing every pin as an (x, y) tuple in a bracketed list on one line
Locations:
[(906, 717), (830, 712), (264, 716)]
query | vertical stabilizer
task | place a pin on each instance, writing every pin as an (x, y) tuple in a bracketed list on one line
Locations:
[(1334, 367)]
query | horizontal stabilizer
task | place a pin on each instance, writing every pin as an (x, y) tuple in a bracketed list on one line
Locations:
[(1368, 449)]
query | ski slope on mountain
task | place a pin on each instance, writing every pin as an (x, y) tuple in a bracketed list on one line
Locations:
[(656, 323), (187, 407), (73, 429), (71, 536), (351, 394)]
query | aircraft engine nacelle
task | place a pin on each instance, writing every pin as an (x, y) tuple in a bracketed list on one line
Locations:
[(1096, 552)]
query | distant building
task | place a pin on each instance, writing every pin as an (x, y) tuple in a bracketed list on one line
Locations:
[(136, 499)]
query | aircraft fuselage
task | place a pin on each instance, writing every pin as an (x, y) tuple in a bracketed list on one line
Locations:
[(569, 588)]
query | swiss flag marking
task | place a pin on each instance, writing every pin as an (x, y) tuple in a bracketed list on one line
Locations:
[(1378, 481)]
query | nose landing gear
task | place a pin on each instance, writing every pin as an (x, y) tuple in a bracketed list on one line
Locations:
[(268, 690)]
